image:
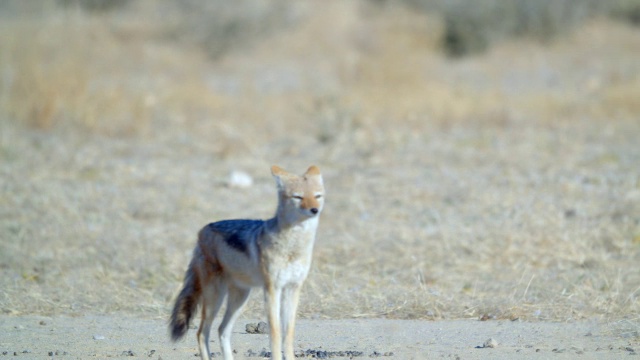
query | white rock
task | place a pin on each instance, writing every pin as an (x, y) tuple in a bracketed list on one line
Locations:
[(240, 179), (490, 343)]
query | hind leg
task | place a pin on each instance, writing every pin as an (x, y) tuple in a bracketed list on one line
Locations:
[(212, 296), (237, 298)]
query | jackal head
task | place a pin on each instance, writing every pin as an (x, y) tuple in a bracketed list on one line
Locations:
[(299, 197)]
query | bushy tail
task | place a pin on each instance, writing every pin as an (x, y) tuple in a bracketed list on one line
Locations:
[(186, 304)]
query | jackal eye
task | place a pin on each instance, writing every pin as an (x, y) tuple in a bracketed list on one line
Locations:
[(297, 197), (318, 196)]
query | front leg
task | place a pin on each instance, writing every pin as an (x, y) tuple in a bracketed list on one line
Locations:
[(272, 295), (290, 297)]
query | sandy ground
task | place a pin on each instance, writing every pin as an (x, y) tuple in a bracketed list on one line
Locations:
[(36, 337)]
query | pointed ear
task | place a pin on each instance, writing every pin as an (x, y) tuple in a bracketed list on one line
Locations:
[(277, 171), (312, 170)]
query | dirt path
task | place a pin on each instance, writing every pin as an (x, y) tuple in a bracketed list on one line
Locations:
[(33, 337)]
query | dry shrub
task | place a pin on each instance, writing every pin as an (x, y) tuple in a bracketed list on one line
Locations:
[(472, 28), (56, 80)]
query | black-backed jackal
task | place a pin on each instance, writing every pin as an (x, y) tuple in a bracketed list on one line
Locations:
[(233, 256)]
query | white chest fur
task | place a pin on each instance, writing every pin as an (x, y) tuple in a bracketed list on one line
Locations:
[(293, 273), (288, 253)]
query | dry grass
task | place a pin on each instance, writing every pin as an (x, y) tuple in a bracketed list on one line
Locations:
[(505, 185)]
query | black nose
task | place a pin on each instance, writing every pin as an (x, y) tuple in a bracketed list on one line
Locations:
[(314, 210)]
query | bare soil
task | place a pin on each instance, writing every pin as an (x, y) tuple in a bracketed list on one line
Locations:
[(35, 337)]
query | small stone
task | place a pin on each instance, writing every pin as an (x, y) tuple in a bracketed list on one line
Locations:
[(251, 328), (42, 322), (490, 343), (486, 317), (262, 328), (250, 353), (98, 337), (259, 328), (264, 353)]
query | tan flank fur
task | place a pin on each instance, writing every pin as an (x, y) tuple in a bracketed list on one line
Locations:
[(234, 256)]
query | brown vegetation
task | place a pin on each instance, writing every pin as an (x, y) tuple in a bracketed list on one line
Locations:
[(504, 184)]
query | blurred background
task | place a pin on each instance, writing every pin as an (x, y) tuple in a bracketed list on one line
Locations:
[(481, 157)]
